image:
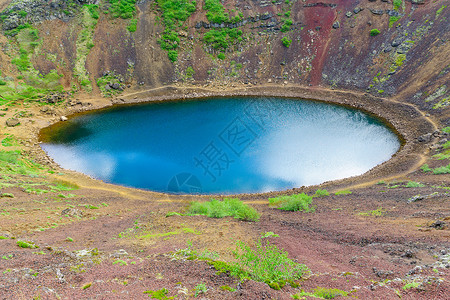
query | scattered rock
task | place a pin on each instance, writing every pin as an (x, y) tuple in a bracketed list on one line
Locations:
[(438, 225), (378, 12), (415, 270), (72, 212), (382, 273), (119, 253), (396, 43), (356, 10), (426, 138), (415, 198), (12, 122)]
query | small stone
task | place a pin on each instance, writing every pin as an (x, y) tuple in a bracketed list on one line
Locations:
[(63, 118), (12, 122), (71, 212), (336, 25), (396, 43), (357, 10), (348, 14), (119, 253)]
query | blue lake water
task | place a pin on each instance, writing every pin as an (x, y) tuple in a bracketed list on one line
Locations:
[(223, 145)]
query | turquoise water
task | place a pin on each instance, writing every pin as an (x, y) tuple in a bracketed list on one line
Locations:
[(226, 145)]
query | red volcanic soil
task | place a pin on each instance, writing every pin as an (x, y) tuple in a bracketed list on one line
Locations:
[(320, 19)]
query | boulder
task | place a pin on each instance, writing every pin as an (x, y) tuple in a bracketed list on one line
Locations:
[(426, 138), (378, 12), (336, 25), (72, 212), (357, 10), (396, 43), (12, 122)]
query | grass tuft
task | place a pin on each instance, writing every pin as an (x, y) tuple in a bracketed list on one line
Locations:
[(297, 202), (229, 207)]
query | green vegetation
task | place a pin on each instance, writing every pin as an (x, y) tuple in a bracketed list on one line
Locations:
[(232, 207), (85, 42), (321, 293), (411, 285), (200, 289), (321, 193), (343, 192), (13, 162), (374, 213), (439, 11), (413, 184), (120, 262), (425, 168), (222, 39), (286, 41), (442, 170), (296, 202), (105, 82), (227, 288), (9, 141), (132, 25), (159, 294), (400, 58), (189, 72), (374, 32), (87, 285), (436, 171), (174, 13), (267, 264), (393, 19), (26, 244), (32, 85), (215, 13), (397, 4), (287, 23), (124, 9)]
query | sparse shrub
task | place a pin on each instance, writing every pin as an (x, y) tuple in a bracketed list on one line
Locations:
[(425, 168), (26, 244), (159, 294), (374, 32), (411, 285), (132, 25), (286, 41), (297, 202), (375, 213), (229, 207), (221, 56), (268, 264), (413, 184), (200, 289), (173, 55), (124, 9), (190, 72), (442, 170), (87, 285), (326, 293), (343, 192), (321, 193)]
